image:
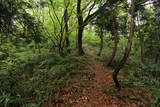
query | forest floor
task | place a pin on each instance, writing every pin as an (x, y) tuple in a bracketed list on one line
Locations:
[(89, 90)]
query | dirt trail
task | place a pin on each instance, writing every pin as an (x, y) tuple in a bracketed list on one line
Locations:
[(93, 95)]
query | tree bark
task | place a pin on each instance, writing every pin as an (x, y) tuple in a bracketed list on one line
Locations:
[(80, 34), (66, 18), (39, 48), (127, 49), (142, 48), (141, 40), (113, 53), (101, 43), (84, 22), (115, 38), (157, 56), (80, 28)]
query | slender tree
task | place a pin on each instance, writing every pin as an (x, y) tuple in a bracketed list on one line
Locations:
[(128, 47), (101, 42), (66, 18), (80, 28), (82, 22), (141, 38), (114, 34)]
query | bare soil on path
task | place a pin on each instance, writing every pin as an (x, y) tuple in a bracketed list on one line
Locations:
[(95, 97), (91, 93)]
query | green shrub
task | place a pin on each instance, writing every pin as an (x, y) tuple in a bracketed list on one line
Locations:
[(29, 74)]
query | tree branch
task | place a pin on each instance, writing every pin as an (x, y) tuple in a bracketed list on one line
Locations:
[(92, 16)]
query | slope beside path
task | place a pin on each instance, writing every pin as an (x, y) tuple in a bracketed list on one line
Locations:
[(90, 93)]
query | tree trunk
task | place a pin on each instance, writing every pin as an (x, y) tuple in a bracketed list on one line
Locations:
[(113, 53), (39, 48), (127, 49), (157, 56), (101, 44), (115, 38), (142, 48), (66, 18), (80, 28), (141, 40), (80, 34)]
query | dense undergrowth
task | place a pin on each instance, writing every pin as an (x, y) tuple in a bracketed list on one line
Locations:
[(148, 79), (27, 77), (144, 77), (40, 41)]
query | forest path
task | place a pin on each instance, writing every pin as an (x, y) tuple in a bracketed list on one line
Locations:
[(89, 92), (94, 96)]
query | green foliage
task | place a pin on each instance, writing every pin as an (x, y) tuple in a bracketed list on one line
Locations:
[(26, 74), (34, 57), (151, 70), (145, 77)]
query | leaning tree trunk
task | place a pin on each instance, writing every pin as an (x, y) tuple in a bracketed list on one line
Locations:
[(101, 43), (115, 37), (113, 53), (127, 49)]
